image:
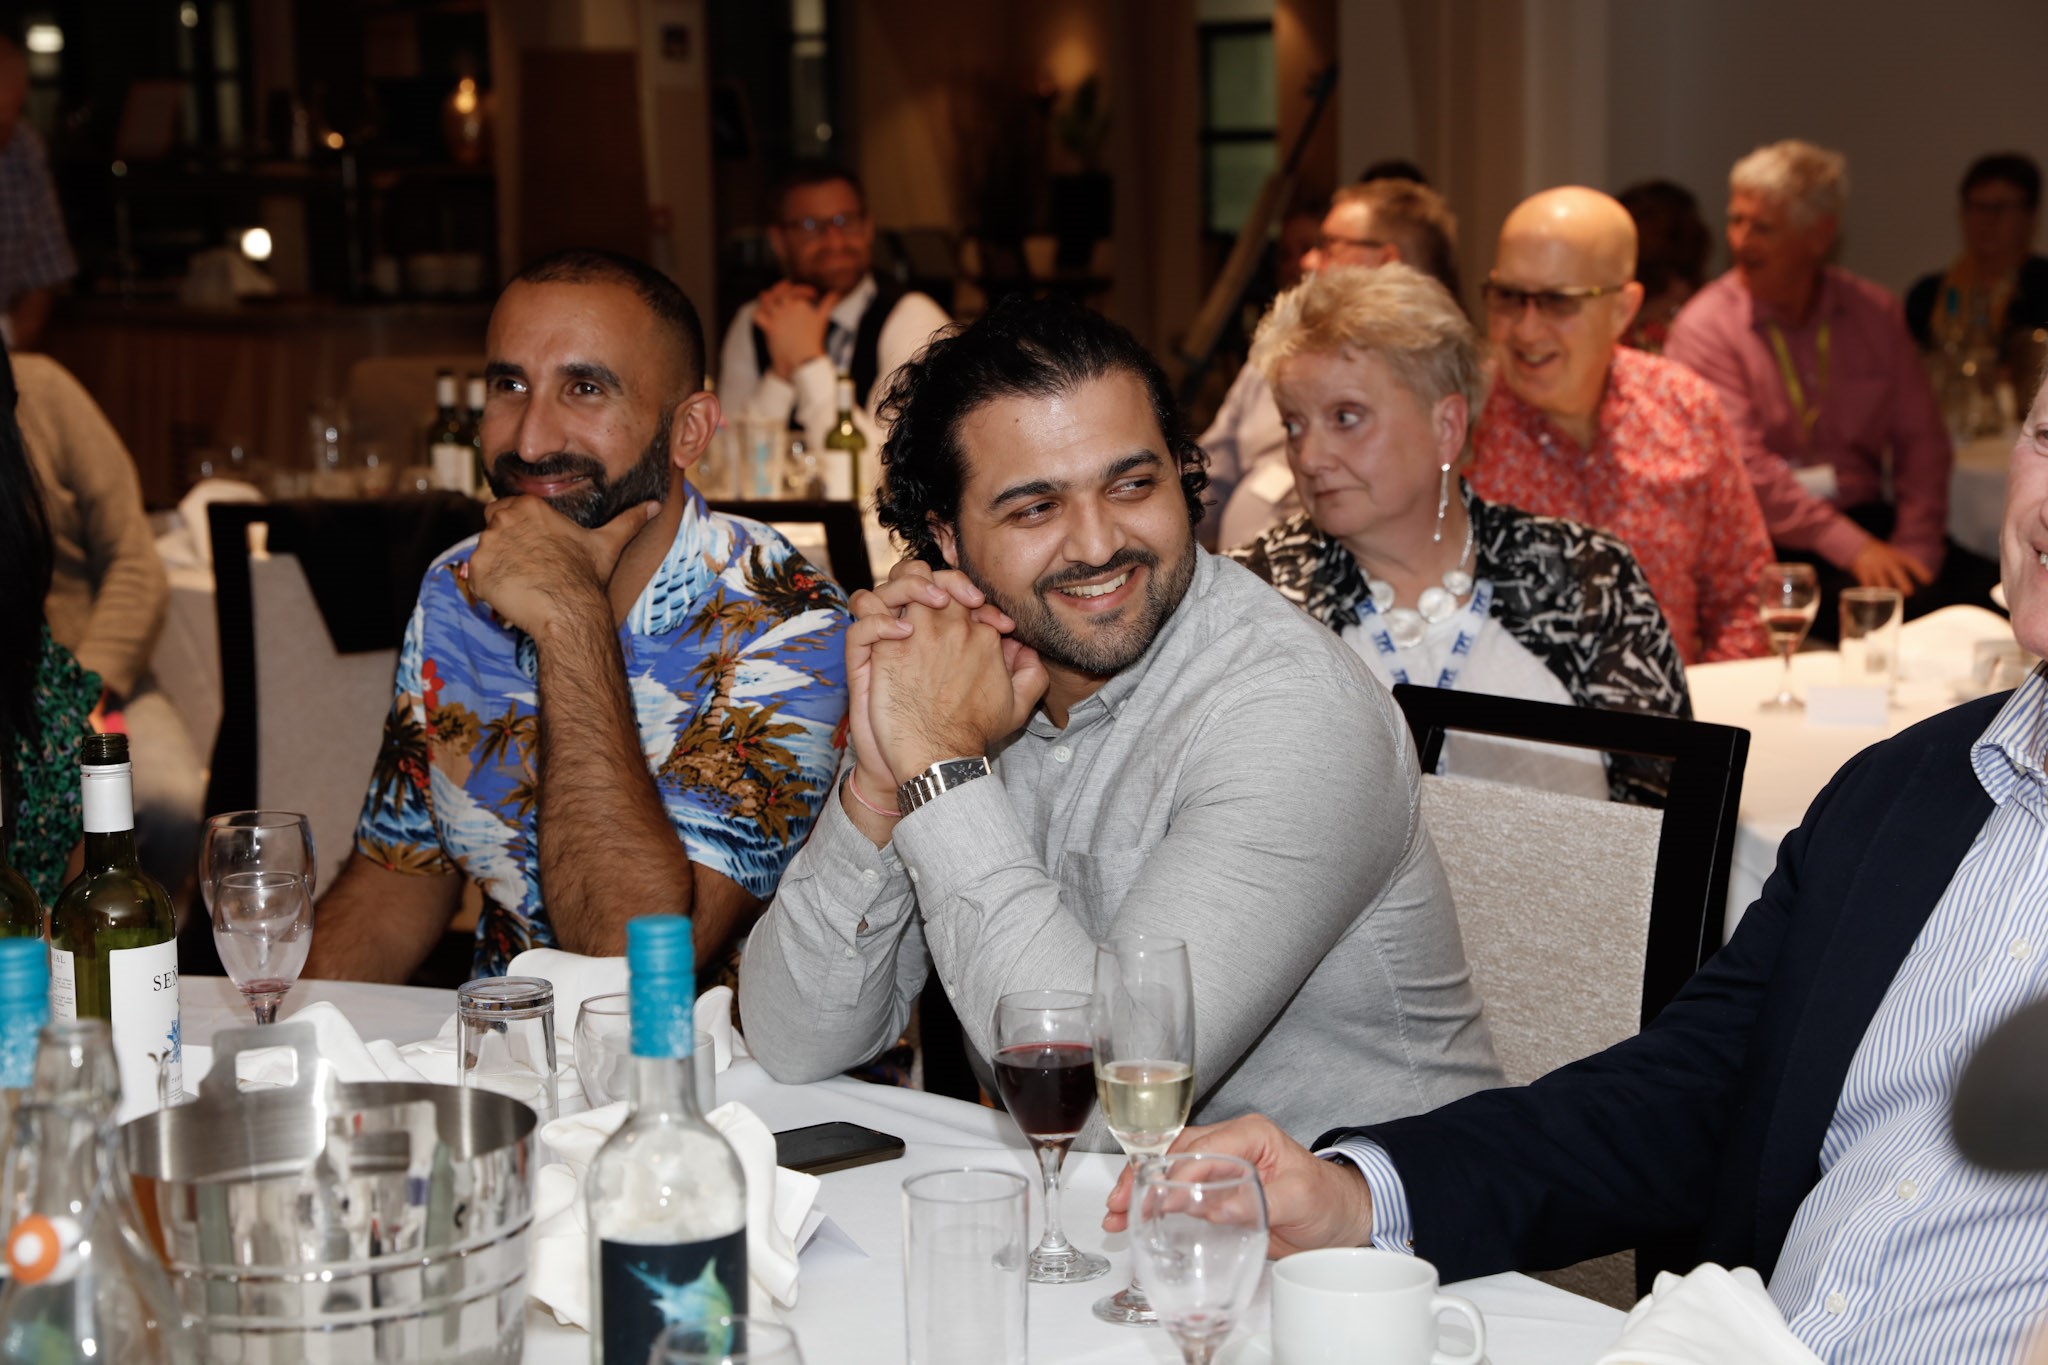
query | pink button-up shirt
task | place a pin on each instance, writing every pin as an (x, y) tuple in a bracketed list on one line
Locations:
[(1876, 402)]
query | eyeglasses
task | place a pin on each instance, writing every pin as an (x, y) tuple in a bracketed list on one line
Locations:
[(843, 223), (1327, 243), (1555, 304)]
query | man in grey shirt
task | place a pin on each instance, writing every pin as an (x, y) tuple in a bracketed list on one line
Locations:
[(1083, 725)]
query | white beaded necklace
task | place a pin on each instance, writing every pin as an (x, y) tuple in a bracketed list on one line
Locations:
[(1407, 625)]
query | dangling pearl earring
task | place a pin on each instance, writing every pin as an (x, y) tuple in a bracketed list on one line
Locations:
[(1443, 501)]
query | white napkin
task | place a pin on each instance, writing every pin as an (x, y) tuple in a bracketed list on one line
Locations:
[(777, 1203), (1710, 1317), (353, 1060)]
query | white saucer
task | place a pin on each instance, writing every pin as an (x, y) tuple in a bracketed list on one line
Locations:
[(1258, 1350)]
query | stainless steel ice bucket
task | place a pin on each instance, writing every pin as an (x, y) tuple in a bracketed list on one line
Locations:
[(323, 1222)]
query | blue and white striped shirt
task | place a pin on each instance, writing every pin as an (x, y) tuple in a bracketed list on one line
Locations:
[(1904, 1252)]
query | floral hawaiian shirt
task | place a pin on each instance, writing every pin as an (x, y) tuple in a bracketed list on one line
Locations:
[(735, 658)]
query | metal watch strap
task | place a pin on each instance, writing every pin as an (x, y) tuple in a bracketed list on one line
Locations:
[(942, 776)]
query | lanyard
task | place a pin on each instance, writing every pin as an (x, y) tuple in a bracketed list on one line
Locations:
[(1790, 374), (1476, 612)]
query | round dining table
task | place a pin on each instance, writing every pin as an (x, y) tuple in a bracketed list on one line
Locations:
[(850, 1293)]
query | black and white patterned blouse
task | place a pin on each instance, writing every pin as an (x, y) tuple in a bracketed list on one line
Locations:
[(1572, 596)]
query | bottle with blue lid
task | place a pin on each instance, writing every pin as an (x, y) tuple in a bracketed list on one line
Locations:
[(666, 1195)]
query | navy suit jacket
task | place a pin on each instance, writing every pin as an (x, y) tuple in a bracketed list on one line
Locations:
[(1704, 1130)]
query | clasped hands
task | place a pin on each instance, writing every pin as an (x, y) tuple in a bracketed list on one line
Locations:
[(932, 672), (794, 318), (535, 567)]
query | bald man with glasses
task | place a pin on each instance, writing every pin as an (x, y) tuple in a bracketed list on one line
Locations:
[(829, 315), (1579, 426)]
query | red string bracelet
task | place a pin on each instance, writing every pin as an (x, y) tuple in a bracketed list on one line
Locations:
[(854, 787)]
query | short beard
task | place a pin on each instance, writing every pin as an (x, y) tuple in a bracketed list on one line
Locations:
[(1101, 652), (600, 499)]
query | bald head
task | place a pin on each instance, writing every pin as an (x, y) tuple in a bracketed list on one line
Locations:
[(1592, 228)]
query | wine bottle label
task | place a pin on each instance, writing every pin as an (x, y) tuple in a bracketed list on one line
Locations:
[(648, 1287), (839, 475), (142, 984), (454, 466), (63, 987)]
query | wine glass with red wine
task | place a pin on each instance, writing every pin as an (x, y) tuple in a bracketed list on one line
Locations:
[(1788, 598), (1045, 1069)]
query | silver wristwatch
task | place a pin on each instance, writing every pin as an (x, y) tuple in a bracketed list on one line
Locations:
[(942, 776)]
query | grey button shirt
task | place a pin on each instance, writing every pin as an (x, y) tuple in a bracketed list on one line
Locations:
[(1246, 786)]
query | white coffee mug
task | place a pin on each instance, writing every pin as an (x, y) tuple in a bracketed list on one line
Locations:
[(1345, 1304)]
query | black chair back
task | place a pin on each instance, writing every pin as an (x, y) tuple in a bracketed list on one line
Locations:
[(1689, 899)]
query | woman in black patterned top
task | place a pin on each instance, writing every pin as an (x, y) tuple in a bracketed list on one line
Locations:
[(45, 696), (1378, 376)]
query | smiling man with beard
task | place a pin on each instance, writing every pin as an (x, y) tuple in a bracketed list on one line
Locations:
[(613, 701), (1069, 722)]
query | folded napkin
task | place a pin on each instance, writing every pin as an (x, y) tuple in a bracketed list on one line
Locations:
[(777, 1203), (340, 1046), (1709, 1317)]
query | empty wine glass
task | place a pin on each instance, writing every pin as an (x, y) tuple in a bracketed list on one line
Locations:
[(263, 927), (1788, 598), (603, 1041), (1198, 1236), (255, 841), (1045, 1069), (1144, 1028)]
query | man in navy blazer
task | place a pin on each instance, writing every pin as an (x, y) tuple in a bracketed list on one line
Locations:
[(1788, 1111)]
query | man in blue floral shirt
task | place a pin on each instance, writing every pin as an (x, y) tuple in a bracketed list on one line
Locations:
[(613, 701)]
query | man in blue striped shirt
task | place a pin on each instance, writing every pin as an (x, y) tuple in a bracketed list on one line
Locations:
[(1789, 1111)]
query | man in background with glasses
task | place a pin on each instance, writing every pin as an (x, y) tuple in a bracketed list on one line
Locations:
[(1839, 427), (1369, 225), (1580, 426), (827, 316)]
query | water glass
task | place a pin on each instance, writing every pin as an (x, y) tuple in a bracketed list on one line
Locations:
[(1198, 1235), (965, 1250), (505, 1026), (726, 1341), (604, 1041), (1870, 637), (263, 928)]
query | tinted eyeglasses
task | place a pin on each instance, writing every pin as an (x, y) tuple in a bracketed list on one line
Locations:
[(1555, 304), (843, 223)]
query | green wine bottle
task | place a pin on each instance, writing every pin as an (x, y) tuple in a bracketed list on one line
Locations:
[(473, 395), (845, 449), (21, 913), (448, 451), (113, 941)]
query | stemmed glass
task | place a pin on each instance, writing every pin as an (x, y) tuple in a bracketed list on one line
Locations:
[(1788, 598), (603, 1041), (1044, 1064), (263, 927), (1144, 1026), (1198, 1234), (255, 841)]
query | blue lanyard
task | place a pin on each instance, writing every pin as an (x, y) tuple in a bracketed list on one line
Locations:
[(1476, 612)]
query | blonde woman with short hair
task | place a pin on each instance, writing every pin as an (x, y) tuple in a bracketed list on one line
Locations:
[(1378, 376)]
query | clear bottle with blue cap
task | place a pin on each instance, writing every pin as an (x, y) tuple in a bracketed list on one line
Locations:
[(666, 1195)]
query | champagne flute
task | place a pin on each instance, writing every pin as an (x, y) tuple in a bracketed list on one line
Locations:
[(1198, 1234), (1144, 1024), (263, 927), (1044, 1063), (255, 841), (1788, 598)]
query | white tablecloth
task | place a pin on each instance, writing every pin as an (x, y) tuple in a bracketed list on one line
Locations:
[(851, 1306), (1790, 760)]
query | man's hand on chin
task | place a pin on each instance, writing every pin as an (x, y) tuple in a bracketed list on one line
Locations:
[(1310, 1202), (945, 688), (531, 564)]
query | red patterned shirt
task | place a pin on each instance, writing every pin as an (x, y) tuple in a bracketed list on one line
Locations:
[(1664, 476)]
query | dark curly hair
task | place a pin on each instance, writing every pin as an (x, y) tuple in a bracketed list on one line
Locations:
[(1023, 347)]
